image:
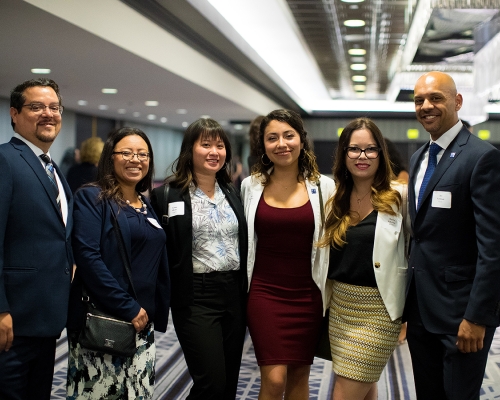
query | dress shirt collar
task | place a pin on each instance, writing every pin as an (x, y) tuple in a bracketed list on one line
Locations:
[(38, 152), (446, 138)]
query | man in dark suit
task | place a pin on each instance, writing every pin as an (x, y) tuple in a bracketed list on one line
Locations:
[(453, 304), (35, 248)]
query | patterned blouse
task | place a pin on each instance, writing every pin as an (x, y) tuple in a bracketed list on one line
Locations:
[(215, 232)]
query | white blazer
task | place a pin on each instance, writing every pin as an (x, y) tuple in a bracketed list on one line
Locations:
[(389, 257), (251, 192)]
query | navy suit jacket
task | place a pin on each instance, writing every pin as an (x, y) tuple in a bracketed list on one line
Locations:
[(35, 245), (455, 252), (100, 266)]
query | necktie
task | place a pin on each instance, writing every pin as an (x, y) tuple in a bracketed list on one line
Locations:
[(434, 149), (49, 169)]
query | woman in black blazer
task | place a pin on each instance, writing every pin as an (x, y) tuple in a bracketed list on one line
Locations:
[(125, 169), (207, 250)]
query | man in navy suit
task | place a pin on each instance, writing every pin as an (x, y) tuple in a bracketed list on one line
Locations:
[(453, 303), (35, 248)]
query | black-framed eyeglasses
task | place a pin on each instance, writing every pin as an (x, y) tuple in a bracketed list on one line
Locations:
[(355, 152), (38, 108), (129, 155)]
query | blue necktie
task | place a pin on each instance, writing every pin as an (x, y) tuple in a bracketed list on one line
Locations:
[(49, 169), (434, 149)]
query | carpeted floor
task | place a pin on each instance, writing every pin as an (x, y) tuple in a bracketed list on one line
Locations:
[(173, 381)]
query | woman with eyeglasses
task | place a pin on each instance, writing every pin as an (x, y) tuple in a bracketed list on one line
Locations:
[(104, 211), (207, 243), (287, 297), (365, 232)]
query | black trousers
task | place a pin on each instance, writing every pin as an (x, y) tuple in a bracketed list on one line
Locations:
[(211, 333), (27, 369), (442, 372)]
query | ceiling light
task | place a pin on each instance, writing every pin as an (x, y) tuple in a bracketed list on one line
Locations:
[(181, 111), (359, 78), (358, 67), (109, 91), (151, 117), (122, 111), (354, 23), (151, 103), (82, 102), (204, 116), (103, 107), (352, 1), (360, 95), (136, 114), (163, 119), (238, 127), (185, 124), (40, 70), (357, 52), (359, 88), (358, 59), (223, 123)]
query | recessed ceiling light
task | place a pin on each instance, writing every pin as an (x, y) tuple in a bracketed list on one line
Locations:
[(359, 88), (151, 103), (136, 114), (238, 127), (223, 122), (181, 111), (357, 52), (163, 119), (352, 1), (354, 23), (359, 78), (205, 116), (360, 95), (185, 124), (103, 107), (122, 111), (151, 117), (40, 70), (109, 90), (358, 60), (358, 67), (82, 102)]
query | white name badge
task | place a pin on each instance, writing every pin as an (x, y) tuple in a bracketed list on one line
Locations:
[(154, 222), (175, 208), (441, 199), (390, 222)]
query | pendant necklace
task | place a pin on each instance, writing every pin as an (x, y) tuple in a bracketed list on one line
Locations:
[(143, 209)]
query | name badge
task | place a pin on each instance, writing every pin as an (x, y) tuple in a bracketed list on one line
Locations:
[(390, 222), (154, 222), (175, 208), (441, 199)]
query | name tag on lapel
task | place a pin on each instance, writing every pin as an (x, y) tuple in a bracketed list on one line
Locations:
[(390, 222), (441, 199), (175, 208)]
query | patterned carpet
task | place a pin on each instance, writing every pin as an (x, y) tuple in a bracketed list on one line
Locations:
[(173, 381)]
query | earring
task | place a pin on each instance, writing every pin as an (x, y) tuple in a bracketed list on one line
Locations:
[(262, 160)]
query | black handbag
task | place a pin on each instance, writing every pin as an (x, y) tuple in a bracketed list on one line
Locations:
[(102, 331)]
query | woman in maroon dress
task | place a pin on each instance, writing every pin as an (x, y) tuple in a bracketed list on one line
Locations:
[(287, 273)]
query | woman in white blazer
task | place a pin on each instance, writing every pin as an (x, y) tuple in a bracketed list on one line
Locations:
[(283, 201), (365, 233)]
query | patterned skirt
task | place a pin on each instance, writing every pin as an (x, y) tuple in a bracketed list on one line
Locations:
[(362, 335), (95, 375)]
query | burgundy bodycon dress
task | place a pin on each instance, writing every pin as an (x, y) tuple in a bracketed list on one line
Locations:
[(284, 304)]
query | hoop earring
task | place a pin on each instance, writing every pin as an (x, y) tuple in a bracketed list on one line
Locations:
[(262, 160)]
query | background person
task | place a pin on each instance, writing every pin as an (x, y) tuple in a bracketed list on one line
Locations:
[(208, 281), (86, 171), (35, 251), (125, 169), (287, 294), (454, 298), (253, 135), (364, 231)]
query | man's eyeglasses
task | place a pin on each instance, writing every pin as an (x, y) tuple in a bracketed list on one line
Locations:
[(355, 152), (38, 108), (129, 156)]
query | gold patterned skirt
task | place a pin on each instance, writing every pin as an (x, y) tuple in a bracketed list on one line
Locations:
[(362, 335)]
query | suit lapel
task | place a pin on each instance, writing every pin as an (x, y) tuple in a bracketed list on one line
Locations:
[(414, 166)]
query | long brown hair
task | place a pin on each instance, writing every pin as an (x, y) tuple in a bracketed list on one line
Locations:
[(382, 196), (308, 168)]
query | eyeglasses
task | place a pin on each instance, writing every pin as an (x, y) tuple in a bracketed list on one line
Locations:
[(38, 108), (129, 156), (355, 152)]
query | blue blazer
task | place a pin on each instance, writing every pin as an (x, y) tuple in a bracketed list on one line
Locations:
[(455, 252), (100, 266), (35, 245)]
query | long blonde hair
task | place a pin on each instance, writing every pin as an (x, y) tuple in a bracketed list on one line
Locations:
[(383, 196)]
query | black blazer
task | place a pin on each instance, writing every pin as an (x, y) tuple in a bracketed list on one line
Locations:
[(35, 245), (455, 252), (179, 240)]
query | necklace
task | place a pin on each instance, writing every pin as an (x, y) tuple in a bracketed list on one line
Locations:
[(359, 200), (143, 209)]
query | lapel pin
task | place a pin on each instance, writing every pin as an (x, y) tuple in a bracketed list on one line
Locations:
[(313, 191), (452, 155)]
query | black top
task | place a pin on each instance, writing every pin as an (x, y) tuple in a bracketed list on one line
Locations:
[(80, 174), (353, 263)]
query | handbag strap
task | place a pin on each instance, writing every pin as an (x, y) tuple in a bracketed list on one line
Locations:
[(164, 204), (321, 207), (121, 247), (404, 209)]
